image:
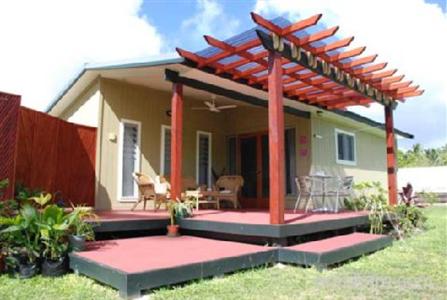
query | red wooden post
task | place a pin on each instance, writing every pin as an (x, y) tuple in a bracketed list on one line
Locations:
[(176, 140), (391, 156), (276, 139)]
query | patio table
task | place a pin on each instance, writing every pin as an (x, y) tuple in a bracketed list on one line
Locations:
[(205, 195), (324, 180)]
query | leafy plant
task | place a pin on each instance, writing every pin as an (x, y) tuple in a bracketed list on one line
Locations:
[(371, 196), (407, 219), (78, 224), (42, 200), (23, 193), (53, 229), (179, 209), (22, 233)]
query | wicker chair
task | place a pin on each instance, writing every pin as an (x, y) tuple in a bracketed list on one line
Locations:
[(151, 190), (228, 188)]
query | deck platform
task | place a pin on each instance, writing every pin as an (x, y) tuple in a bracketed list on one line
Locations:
[(256, 223), (136, 264), (333, 250), (126, 220), (244, 223)]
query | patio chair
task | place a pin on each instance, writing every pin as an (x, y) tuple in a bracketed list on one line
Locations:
[(151, 190), (339, 188), (308, 188), (228, 188)]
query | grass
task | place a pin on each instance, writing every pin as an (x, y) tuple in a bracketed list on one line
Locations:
[(415, 268)]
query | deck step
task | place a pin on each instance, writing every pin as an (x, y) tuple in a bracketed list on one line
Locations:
[(333, 250)]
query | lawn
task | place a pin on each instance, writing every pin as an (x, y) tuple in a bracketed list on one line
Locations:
[(415, 268)]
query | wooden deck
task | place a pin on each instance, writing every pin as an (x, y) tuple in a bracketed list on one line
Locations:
[(137, 264), (234, 223)]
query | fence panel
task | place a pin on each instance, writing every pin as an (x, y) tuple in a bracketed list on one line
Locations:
[(56, 156), (9, 112)]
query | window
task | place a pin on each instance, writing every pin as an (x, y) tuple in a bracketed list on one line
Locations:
[(345, 147), (290, 164), (203, 166), (165, 159), (129, 159)]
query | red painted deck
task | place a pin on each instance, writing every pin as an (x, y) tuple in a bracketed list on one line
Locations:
[(262, 217), (229, 216), (160, 252), (335, 243), (127, 215)]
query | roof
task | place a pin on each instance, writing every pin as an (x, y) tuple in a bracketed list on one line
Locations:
[(165, 61), (317, 67), (133, 63)]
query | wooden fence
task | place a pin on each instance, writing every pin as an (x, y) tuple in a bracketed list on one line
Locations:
[(9, 112), (43, 152)]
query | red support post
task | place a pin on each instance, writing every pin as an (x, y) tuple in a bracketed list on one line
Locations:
[(176, 140), (391, 156), (276, 139)]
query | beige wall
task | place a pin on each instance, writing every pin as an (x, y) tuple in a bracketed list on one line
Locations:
[(85, 109), (123, 101), (370, 152)]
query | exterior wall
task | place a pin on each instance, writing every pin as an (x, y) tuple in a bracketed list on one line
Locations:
[(370, 152), (255, 119), (84, 110), (124, 101)]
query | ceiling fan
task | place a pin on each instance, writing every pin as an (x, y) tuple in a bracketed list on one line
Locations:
[(211, 106)]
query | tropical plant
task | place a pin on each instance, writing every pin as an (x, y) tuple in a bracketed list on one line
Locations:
[(179, 209), (407, 219), (53, 230), (22, 234), (23, 194), (371, 196), (78, 224)]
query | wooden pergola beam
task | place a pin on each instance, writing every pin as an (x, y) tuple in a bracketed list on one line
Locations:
[(316, 66)]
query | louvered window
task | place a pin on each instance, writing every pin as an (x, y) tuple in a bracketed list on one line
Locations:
[(204, 158), (165, 151), (130, 152)]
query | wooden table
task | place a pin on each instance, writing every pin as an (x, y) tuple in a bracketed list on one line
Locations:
[(203, 197)]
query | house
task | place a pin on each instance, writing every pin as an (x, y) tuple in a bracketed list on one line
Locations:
[(132, 105)]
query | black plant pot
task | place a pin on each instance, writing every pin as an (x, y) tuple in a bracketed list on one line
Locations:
[(28, 270), (54, 268), (77, 242)]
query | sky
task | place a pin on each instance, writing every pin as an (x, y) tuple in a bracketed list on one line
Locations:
[(45, 43)]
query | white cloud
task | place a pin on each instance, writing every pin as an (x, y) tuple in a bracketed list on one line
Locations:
[(409, 34), (44, 43), (211, 19)]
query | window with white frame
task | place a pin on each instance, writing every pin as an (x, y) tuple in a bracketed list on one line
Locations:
[(129, 159), (345, 147), (165, 159), (203, 158)]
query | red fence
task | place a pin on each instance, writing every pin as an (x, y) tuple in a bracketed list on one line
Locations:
[(56, 156), (9, 111)]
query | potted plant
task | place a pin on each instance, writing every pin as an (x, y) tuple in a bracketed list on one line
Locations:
[(22, 239), (81, 227), (177, 210), (54, 230)]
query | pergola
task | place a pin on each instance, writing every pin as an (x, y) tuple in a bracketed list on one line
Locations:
[(295, 61)]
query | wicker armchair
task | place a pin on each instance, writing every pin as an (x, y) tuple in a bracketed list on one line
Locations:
[(229, 188), (151, 190)]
